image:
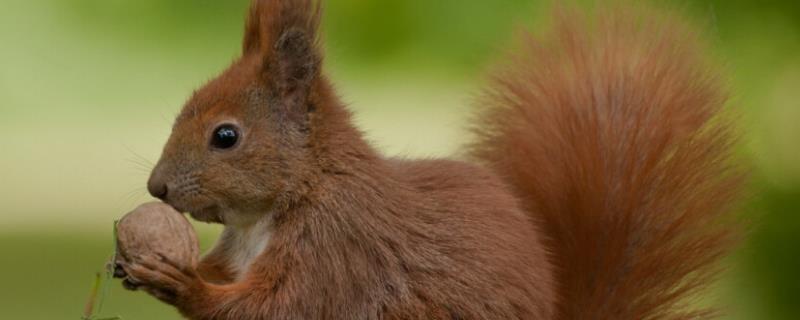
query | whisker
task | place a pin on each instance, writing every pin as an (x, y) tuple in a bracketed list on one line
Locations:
[(134, 194), (139, 156), (139, 166)]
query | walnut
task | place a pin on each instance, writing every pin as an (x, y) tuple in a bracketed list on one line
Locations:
[(156, 228)]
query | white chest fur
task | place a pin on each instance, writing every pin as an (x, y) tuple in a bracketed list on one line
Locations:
[(243, 244)]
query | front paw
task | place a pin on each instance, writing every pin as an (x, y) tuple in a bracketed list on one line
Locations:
[(163, 279)]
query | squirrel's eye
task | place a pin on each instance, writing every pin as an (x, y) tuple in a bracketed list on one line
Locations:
[(225, 137)]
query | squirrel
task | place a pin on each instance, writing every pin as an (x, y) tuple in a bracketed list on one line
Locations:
[(600, 184)]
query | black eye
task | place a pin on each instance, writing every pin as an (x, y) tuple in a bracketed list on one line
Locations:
[(225, 137)]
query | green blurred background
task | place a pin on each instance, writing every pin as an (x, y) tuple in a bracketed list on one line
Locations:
[(88, 90)]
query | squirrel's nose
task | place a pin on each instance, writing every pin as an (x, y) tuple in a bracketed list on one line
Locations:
[(157, 186), (158, 190)]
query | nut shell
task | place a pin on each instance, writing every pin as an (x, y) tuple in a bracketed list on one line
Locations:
[(156, 228)]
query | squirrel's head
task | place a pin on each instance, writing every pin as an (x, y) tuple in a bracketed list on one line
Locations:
[(241, 140)]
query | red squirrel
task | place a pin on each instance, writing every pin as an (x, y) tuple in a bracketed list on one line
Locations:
[(599, 185)]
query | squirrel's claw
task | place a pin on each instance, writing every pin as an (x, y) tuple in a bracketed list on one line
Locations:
[(130, 284), (162, 278), (119, 271)]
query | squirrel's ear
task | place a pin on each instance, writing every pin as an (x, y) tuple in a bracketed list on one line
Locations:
[(283, 33), (294, 64)]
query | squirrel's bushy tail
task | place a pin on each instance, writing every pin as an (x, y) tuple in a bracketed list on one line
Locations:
[(610, 131)]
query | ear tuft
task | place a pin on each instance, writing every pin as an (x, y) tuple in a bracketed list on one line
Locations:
[(283, 34), (269, 20)]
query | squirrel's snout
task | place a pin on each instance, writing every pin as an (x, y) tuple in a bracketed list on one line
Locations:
[(158, 190), (157, 187)]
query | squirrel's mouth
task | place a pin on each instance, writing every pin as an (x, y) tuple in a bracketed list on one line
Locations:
[(210, 214)]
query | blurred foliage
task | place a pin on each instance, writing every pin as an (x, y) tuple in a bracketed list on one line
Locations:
[(88, 89)]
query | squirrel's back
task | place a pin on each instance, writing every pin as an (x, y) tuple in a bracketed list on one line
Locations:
[(488, 261), (611, 131)]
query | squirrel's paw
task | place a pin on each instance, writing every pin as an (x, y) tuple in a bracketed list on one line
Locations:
[(163, 279)]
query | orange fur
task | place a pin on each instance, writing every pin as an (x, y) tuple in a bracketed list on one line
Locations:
[(611, 130), (604, 148)]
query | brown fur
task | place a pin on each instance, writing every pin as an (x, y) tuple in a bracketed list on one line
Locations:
[(611, 131), (609, 141)]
